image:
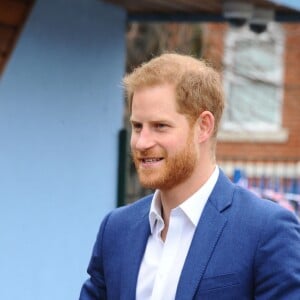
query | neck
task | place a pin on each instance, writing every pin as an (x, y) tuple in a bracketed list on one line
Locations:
[(173, 197)]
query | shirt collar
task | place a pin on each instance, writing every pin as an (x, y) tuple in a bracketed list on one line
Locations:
[(192, 207), (155, 211)]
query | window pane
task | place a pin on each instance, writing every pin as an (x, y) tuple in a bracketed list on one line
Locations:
[(255, 58), (252, 104)]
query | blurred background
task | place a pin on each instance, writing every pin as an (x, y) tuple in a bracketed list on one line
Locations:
[(64, 155)]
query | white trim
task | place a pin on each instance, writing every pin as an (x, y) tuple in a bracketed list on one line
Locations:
[(272, 136), (257, 169)]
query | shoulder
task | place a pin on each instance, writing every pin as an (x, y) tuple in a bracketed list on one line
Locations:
[(129, 213), (240, 202), (134, 209), (252, 204), (262, 216)]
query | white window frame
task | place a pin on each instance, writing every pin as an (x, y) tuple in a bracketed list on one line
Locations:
[(254, 131)]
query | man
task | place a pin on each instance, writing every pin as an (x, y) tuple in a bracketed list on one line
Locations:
[(199, 236)]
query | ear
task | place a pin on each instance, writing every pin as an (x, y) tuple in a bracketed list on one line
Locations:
[(206, 124)]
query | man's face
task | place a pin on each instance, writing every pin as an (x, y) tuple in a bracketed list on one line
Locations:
[(163, 143)]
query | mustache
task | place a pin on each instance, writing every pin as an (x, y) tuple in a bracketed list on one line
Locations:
[(146, 154)]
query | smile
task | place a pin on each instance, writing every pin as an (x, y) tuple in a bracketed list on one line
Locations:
[(150, 160)]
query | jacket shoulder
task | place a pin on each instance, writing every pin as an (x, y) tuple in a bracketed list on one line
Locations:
[(132, 212)]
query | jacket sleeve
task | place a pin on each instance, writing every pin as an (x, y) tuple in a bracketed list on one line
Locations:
[(277, 261), (94, 288)]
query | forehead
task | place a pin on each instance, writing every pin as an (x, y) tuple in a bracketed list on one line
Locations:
[(157, 104), (160, 97)]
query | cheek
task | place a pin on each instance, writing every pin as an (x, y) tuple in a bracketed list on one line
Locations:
[(174, 145), (132, 141)]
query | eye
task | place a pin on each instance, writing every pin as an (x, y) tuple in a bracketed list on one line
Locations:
[(136, 127), (160, 126)]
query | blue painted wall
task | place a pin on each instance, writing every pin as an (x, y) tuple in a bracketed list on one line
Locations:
[(60, 111)]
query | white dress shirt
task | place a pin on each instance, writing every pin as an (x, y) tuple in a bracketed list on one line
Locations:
[(163, 261)]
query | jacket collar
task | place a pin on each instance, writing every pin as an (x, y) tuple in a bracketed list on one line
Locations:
[(134, 248), (207, 234)]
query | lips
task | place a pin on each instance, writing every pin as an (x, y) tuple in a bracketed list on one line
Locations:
[(150, 160)]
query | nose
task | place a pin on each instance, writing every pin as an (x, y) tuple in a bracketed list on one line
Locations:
[(142, 140)]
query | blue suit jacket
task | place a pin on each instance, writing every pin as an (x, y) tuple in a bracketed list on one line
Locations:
[(243, 248)]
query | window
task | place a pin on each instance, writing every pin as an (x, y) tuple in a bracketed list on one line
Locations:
[(253, 81)]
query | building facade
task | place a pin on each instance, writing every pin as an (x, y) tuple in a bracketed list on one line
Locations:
[(260, 131)]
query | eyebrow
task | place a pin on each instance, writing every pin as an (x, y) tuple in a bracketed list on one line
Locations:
[(133, 121)]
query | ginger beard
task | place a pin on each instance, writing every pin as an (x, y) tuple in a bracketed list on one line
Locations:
[(174, 170)]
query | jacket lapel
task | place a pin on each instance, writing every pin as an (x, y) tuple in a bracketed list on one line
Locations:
[(207, 234), (136, 240)]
